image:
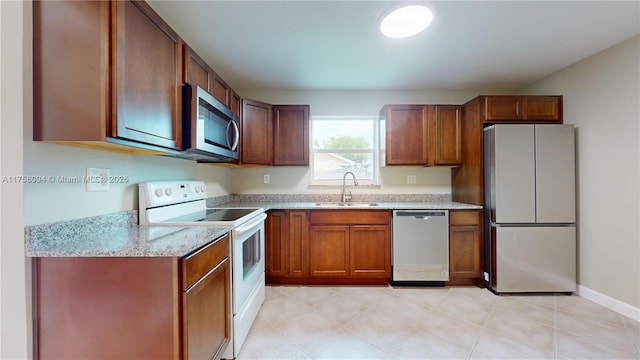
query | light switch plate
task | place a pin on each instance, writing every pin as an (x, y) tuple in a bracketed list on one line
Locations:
[(411, 179), (97, 179)]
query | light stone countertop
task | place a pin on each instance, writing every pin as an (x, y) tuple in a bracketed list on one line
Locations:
[(118, 235), (421, 205)]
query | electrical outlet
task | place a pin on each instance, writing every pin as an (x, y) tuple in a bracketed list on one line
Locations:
[(266, 178), (411, 179), (97, 179)]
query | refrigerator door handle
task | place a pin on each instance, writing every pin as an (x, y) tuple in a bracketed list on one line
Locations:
[(498, 225)]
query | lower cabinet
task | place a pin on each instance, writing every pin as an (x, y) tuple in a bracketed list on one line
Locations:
[(133, 307), (328, 247), (465, 247)]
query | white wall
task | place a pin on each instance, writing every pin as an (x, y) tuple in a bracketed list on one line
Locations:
[(602, 98), (14, 287)]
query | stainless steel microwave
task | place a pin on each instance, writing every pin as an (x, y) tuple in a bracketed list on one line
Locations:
[(209, 129)]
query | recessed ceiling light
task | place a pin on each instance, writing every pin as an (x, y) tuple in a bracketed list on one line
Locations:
[(406, 21)]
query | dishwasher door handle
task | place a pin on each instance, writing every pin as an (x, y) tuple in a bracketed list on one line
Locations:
[(419, 214)]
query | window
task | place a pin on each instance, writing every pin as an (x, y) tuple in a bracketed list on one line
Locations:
[(341, 144)]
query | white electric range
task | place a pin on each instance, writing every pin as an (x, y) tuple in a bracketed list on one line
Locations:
[(183, 203)]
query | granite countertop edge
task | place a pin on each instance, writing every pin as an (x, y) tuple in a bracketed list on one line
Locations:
[(119, 235)]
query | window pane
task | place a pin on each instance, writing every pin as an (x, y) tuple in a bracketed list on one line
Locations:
[(343, 134), (329, 166)]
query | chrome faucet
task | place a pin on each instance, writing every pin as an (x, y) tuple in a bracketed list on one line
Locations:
[(347, 197)]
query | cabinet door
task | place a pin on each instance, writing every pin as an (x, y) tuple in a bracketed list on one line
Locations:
[(276, 244), (221, 91), (70, 93), (235, 103), (257, 133), (196, 71), (543, 108), (329, 251), (370, 251), (148, 77), (207, 315), (502, 108), (448, 134), (298, 255), (291, 135), (464, 245), (406, 135)]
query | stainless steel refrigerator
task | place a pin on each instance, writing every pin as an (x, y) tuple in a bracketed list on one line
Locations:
[(530, 201)]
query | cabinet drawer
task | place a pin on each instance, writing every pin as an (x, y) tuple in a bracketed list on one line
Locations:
[(464, 217), (349, 217), (196, 265)]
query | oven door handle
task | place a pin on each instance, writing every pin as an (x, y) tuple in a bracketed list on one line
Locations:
[(249, 225)]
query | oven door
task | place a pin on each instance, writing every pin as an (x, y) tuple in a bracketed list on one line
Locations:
[(248, 259)]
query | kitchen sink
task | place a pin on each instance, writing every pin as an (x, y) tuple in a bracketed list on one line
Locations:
[(346, 204)]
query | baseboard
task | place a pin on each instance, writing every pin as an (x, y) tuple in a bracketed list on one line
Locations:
[(618, 306)]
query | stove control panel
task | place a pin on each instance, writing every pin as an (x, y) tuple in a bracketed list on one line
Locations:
[(160, 193)]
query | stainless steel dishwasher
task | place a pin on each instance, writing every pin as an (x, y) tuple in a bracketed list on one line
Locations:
[(420, 247)]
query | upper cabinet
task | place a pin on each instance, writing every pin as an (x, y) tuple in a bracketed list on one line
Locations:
[(425, 135), (147, 92), (403, 135), (446, 129), (221, 91), (522, 109), (291, 135), (92, 96), (274, 135), (256, 129), (467, 181), (196, 71)]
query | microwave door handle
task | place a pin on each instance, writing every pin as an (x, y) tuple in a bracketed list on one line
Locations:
[(236, 137)]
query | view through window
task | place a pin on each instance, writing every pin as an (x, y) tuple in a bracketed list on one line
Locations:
[(341, 144)]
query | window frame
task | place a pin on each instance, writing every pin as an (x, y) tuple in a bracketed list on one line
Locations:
[(374, 151)]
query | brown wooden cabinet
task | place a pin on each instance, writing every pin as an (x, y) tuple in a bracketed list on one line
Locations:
[(256, 128), (350, 243), (286, 244), (235, 103), (328, 250), (421, 135), (196, 71), (465, 247), (133, 307), (206, 301), (221, 91), (118, 88), (275, 135), (403, 135), (291, 135), (147, 91), (328, 247), (369, 251), (522, 109), (298, 244), (446, 126)]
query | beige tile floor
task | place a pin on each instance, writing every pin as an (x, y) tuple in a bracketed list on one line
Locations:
[(327, 322)]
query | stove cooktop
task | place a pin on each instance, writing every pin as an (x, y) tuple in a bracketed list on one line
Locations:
[(213, 215)]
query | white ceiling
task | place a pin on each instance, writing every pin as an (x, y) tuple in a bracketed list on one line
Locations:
[(483, 45)]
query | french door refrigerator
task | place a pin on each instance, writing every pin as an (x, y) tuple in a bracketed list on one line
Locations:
[(530, 232)]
